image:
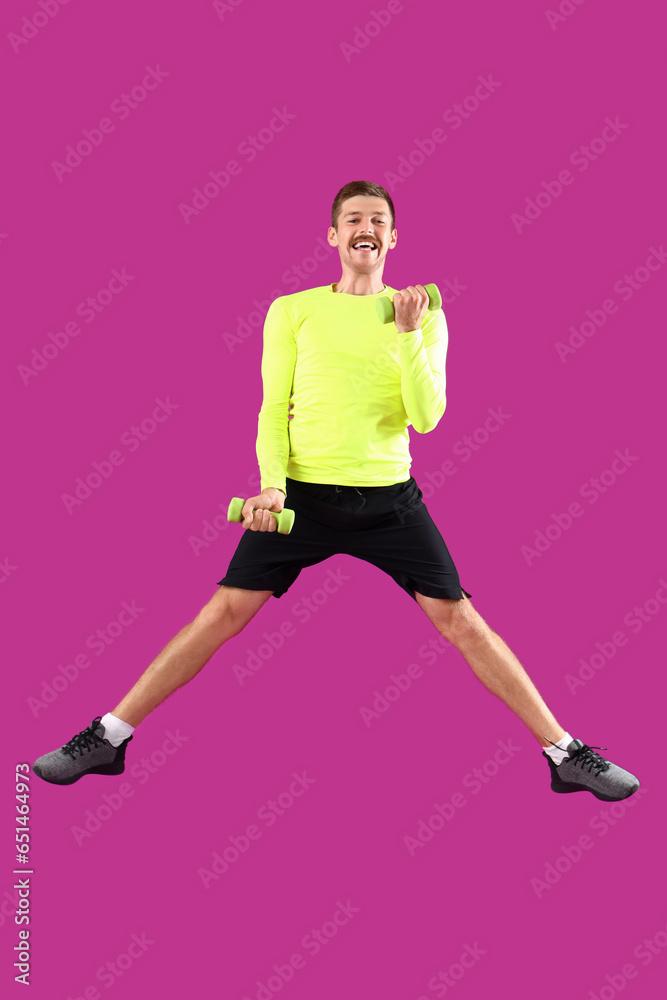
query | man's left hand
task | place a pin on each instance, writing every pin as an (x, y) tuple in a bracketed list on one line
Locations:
[(410, 305)]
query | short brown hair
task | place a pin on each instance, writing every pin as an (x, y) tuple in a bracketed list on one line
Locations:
[(360, 187)]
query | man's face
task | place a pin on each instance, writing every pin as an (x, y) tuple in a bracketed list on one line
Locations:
[(363, 219)]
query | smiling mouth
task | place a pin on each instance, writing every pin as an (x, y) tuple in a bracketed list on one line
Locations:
[(364, 248)]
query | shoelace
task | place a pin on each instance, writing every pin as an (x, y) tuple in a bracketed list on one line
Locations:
[(587, 757), (84, 740)]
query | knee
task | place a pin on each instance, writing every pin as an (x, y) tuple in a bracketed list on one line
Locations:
[(219, 615), (462, 625), (232, 608)]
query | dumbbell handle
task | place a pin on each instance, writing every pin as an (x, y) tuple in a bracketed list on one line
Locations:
[(385, 306)]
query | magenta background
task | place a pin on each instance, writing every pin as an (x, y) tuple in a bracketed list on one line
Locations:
[(163, 337)]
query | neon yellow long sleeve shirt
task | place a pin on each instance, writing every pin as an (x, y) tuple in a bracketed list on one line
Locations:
[(340, 389)]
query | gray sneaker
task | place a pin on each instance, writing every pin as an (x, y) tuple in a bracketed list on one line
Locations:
[(86, 753), (584, 770)]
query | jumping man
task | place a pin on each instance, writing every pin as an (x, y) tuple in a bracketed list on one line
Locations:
[(353, 385)]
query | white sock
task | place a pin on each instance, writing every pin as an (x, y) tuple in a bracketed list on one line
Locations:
[(558, 753), (115, 730)]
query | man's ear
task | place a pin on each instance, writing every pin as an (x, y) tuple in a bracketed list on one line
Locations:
[(332, 235)]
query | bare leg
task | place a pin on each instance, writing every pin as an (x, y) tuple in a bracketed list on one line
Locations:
[(226, 614), (493, 662)]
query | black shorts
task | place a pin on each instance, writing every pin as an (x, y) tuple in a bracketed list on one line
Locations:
[(389, 526)]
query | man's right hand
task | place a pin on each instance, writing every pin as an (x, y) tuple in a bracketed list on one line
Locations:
[(255, 510)]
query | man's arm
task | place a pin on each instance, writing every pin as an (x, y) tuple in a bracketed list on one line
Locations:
[(422, 356), (278, 361)]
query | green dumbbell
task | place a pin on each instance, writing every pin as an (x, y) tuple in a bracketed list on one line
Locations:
[(284, 518), (385, 306)]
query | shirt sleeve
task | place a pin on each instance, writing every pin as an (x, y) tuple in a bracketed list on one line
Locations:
[(422, 355), (278, 361)]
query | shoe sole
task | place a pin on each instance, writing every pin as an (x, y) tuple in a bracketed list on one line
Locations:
[(564, 789), (102, 769)]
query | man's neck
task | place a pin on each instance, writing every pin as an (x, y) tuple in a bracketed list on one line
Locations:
[(360, 284)]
